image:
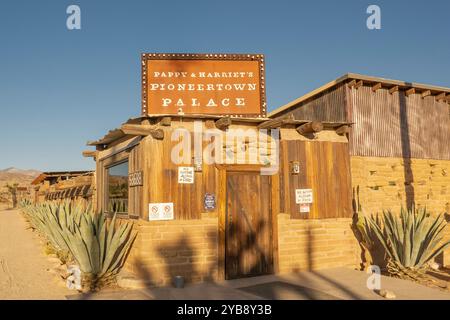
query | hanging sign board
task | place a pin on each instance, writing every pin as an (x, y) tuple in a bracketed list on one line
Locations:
[(303, 196), (215, 84), (160, 211), (185, 174)]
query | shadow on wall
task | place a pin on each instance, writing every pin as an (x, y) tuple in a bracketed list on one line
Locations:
[(406, 153), (326, 280)]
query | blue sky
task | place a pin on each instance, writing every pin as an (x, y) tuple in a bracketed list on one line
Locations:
[(60, 88)]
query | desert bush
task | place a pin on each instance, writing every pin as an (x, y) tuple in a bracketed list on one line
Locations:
[(98, 245)]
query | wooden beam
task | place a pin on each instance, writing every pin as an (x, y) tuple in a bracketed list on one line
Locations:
[(352, 83), (343, 130), (143, 130), (359, 84), (376, 87), (89, 153), (440, 96), (393, 89), (426, 93), (310, 127), (276, 123), (209, 124), (223, 123), (410, 92), (165, 121)]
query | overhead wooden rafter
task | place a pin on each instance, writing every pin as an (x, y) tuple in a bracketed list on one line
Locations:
[(89, 153), (165, 121), (441, 96), (143, 130), (359, 84), (276, 123), (223, 123), (376, 87), (310, 127), (410, 92), (352, 83), (343, 130), (426, 93), (393, 89)]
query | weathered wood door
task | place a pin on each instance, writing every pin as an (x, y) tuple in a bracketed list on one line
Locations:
[(248, 229)]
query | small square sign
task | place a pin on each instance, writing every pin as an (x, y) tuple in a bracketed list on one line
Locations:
[(160, 211), (303, 196), (185, 174), (305, 208)]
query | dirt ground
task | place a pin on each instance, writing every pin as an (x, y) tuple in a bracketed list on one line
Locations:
[(23, 265)]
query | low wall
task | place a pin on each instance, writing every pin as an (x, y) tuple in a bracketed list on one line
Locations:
[(165, 249), (316, 244), (388, 183)]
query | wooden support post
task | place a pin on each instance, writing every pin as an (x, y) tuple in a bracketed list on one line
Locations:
[(393, 89), (310, 127), (343, 130), (426, 93), (223, 123), (143, 130), (410, 92), (165, 121), (376, 87)]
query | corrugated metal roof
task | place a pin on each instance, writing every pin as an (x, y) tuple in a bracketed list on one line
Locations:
[(367, 79)]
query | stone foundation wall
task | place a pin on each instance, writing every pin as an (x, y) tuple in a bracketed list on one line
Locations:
[(316, 244)]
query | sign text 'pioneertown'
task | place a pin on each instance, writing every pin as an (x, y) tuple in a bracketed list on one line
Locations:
[(203, 84)]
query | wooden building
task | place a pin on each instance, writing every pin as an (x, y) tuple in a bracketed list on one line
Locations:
[(280, 193), (60, 185), (399, 141)]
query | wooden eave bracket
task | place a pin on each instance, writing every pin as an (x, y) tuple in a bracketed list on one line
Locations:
[(143, 130)]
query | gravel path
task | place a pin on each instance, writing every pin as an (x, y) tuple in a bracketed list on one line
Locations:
[(23, 265)]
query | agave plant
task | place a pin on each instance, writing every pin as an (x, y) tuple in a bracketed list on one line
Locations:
[(410, 240), (98, 245)]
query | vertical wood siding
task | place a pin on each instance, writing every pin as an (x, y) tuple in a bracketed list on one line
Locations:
[(325, 168), (394, 125)]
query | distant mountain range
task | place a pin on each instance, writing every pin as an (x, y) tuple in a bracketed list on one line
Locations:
[(15, 175)]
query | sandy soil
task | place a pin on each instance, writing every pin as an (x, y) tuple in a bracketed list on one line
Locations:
[(23, 265)]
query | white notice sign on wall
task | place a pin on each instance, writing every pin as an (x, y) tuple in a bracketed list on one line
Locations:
[(303, 196), (160, 211), (185, 174)]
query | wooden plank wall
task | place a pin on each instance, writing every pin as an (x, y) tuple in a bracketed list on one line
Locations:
[(161, 180), (325, 168), (394, 125)]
